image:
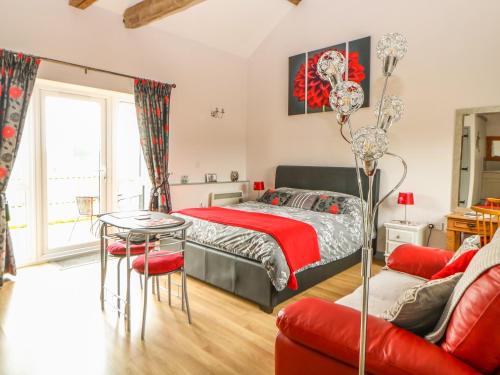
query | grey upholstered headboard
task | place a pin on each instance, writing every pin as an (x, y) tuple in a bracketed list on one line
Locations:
[(339, 179)]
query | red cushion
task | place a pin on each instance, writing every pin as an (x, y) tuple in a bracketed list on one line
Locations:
[(418, 260), (119, 248), (473, 333), (458, 265), (159, 262), (333, 330)]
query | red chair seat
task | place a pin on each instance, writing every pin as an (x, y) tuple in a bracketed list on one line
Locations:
[(119, 248), (159, 262)]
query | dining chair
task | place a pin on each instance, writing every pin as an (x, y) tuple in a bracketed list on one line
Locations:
[(493, 202), (162, 263), (85, 206), (118, 250), (487, 220)]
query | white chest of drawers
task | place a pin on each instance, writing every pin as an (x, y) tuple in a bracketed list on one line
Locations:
[(397, 234)]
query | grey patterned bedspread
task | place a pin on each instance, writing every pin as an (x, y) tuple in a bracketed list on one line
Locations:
[(338, 236)]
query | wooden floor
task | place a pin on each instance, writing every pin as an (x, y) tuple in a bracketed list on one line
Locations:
[(51, 323)]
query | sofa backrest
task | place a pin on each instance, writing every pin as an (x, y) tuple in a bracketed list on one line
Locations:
[(473, 332)]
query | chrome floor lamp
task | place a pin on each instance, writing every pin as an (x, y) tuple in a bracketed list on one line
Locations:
[(369, 143)]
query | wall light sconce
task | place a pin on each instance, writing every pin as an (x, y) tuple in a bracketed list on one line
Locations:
[(217, 113)]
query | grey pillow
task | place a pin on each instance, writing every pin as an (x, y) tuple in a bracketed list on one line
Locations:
[(470, 243), (419, 308), (305, 201)]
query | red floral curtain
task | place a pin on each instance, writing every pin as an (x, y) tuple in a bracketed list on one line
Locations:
[(17, 77), (152, 101)]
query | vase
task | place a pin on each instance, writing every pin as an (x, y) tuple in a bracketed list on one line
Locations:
[(234, 176)]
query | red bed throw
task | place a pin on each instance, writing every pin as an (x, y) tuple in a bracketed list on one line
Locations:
[(298, 240)]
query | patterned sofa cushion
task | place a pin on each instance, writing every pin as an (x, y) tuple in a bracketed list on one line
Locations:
[(275, 197), (419, 308), (305, 201)]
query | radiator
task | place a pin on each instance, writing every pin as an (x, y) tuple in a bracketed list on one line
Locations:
[(223, 199)]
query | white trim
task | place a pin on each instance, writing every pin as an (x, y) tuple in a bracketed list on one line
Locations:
[(37, 194)]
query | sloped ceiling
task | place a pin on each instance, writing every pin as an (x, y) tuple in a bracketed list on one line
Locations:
[(234, 26)]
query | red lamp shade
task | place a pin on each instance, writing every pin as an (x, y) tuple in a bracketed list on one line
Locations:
[(406, 199), (258, 185)]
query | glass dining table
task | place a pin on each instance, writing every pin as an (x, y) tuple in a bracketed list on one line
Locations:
[(136, 227)]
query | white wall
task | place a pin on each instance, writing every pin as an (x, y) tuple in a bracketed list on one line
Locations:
[(452, 63), (205, 77)]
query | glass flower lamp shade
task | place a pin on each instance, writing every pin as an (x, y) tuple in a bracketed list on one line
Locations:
[(390, 49), (346, 97), (369, 144), (389, 111), (331, 67)]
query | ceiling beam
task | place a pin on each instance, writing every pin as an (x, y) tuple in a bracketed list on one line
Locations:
[(81, 4), (295, 2), (150, 10)]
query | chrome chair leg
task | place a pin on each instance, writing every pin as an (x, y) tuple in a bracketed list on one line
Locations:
[(153, 287), (169, 291), (185, 296), (140, 280), (144, 307), (183, 286), (158, 288), (118, 301), (127, 303)]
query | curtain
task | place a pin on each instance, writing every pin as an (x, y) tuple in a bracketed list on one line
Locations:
[(152, 101), (17, 77)]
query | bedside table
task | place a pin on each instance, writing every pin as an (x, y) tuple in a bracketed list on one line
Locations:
[(397, 234)]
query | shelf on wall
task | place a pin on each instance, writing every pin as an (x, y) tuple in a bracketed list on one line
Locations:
[(210, 183)]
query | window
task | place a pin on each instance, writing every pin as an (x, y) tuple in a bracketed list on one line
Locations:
[(75, 138)]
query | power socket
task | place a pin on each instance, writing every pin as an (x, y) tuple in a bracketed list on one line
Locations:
[(437, 226)]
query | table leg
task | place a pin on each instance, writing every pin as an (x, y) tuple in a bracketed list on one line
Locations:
[(452, 240), (127, 303), (102, 266)]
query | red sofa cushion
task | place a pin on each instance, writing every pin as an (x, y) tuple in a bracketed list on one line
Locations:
[(458, 265), (292, 358), (159, 262), (473, 333), (418, 260), (333, 330)]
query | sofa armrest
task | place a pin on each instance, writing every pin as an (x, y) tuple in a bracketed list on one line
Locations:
[(418, 260), (334, 331)]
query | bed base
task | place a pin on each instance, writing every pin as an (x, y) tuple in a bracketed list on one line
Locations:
[(249, 279)]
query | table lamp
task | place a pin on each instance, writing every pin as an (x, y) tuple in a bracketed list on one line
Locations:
[(258, 186), (407, 200)]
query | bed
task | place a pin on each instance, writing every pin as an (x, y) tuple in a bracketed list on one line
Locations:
[(247, 274)]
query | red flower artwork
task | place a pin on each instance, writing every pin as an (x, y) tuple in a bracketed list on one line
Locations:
[(318, 91), (15, 92)]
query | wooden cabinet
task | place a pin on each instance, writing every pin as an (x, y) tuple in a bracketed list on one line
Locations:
[(456, 226)]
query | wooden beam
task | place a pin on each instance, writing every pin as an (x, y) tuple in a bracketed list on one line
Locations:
[(295, 2), (150, 10), (81, 4)]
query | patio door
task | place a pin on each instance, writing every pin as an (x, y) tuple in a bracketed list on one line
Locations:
[(73, 170)]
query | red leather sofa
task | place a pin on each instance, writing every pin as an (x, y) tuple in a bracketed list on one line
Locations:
[(320, 337)]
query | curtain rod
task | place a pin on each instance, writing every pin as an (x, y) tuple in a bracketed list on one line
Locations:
[(91, 68)]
